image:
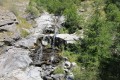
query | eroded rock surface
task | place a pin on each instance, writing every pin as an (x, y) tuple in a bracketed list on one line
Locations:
[(31, 73), (8, 29), (12, 59)]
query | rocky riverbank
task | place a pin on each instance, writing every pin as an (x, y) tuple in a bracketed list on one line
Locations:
[(37, 56)]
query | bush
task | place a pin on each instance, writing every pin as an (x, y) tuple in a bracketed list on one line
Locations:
[(77, 73), (32, 9), (71, 56), (23, 24), (59, 70)]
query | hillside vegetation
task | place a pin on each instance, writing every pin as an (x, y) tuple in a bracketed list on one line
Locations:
[(98, 53)]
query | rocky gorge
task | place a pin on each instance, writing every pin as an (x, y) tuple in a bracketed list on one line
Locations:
[(38, 55)]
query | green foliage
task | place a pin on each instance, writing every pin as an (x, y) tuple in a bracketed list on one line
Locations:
[(24, 33), (110, 68), (23, 24), (63, 30), (77, 73), (113, 16), (99, 51), (113, 12), (72, 22), (59, 70), (71, 56), (88, 74), (32, 9)]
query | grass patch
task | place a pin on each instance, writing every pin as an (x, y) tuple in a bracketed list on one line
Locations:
[(33, 9), (77, 73), (71, 56), (59, 70), (23, 24), (86, 74), (24, 33), (63, 30)]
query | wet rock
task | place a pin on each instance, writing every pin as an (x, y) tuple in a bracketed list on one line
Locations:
[(58, 76), (47, 78), (47, 70), (70, 76), (67, 65)]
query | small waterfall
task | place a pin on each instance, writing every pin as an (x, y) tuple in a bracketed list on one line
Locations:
[(51, 26), (54, 37), (39, 53)]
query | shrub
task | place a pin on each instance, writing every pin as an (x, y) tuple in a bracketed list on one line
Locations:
[(23, 24), (59, 70), (32, 9)]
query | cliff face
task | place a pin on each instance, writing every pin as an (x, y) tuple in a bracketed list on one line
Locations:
[(12, 20), (8, 29)]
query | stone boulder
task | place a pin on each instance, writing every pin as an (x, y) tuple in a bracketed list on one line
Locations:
[(12, 59), (31, 73)]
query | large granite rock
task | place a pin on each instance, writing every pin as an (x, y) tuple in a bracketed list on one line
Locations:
[(12, 59), (46, 21), (7, 18), (15, 65), (31, 73)]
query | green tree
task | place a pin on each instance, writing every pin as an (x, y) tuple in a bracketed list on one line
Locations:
[(109, 67)]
